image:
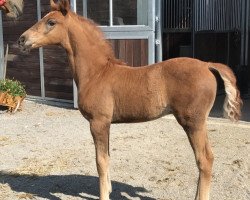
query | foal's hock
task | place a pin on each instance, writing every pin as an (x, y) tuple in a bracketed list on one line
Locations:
[(111, 92)]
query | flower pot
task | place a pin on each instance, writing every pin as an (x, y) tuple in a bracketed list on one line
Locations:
[(13, 103), (12, 93), (2, 96)]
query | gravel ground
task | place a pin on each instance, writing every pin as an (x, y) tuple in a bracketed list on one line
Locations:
[(46, 152)]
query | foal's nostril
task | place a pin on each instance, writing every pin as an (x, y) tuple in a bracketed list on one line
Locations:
[(21, 40)]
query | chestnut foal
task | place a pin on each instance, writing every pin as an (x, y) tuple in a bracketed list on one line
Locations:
[(12, 8), (111, 92)]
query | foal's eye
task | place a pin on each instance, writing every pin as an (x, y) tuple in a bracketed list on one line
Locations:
[(51, 23)]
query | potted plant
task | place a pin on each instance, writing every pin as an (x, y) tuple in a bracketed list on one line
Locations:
[(12, 93)]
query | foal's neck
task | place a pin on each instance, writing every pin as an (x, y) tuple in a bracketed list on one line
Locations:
[(87, 50)]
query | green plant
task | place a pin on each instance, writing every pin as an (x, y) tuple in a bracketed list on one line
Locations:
[(12, 87)]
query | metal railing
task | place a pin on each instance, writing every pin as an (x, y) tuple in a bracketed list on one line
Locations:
[(209, 15), (177, 14), (218, 15)]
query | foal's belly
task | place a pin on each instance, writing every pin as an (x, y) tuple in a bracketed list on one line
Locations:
[(139, 113)]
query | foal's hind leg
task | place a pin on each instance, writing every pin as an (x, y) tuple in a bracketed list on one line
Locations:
[(204, 158), (100, 133)]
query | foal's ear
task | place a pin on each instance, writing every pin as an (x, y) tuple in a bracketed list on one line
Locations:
[(62, 5)]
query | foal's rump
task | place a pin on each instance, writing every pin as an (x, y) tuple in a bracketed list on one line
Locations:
[(191, 87)]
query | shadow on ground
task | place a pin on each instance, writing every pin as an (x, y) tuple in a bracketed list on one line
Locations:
[(73, 185)]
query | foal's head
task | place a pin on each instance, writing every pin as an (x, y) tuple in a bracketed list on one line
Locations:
[(51, 29), (12, 8), (76, 34)]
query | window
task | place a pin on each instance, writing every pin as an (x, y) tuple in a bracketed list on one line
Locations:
[(115, 12), (130, 12)]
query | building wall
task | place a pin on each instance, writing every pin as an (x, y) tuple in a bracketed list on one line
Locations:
[(22, 67)]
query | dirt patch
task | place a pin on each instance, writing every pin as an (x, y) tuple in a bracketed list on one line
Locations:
[(47, 152)]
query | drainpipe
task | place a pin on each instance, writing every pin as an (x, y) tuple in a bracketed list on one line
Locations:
[(75, 92), (1, 48), (41, 56), (158, 30)]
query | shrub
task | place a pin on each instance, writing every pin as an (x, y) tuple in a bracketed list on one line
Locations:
[(12, 87)]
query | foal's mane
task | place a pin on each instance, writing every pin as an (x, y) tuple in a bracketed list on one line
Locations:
[(97, 38)]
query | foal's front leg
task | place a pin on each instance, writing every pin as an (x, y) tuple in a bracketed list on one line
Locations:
[(100, 133)]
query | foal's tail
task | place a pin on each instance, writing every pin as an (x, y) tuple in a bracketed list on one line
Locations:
[(233, 103)]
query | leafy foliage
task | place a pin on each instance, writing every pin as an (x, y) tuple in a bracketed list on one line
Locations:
[(12, 87)]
